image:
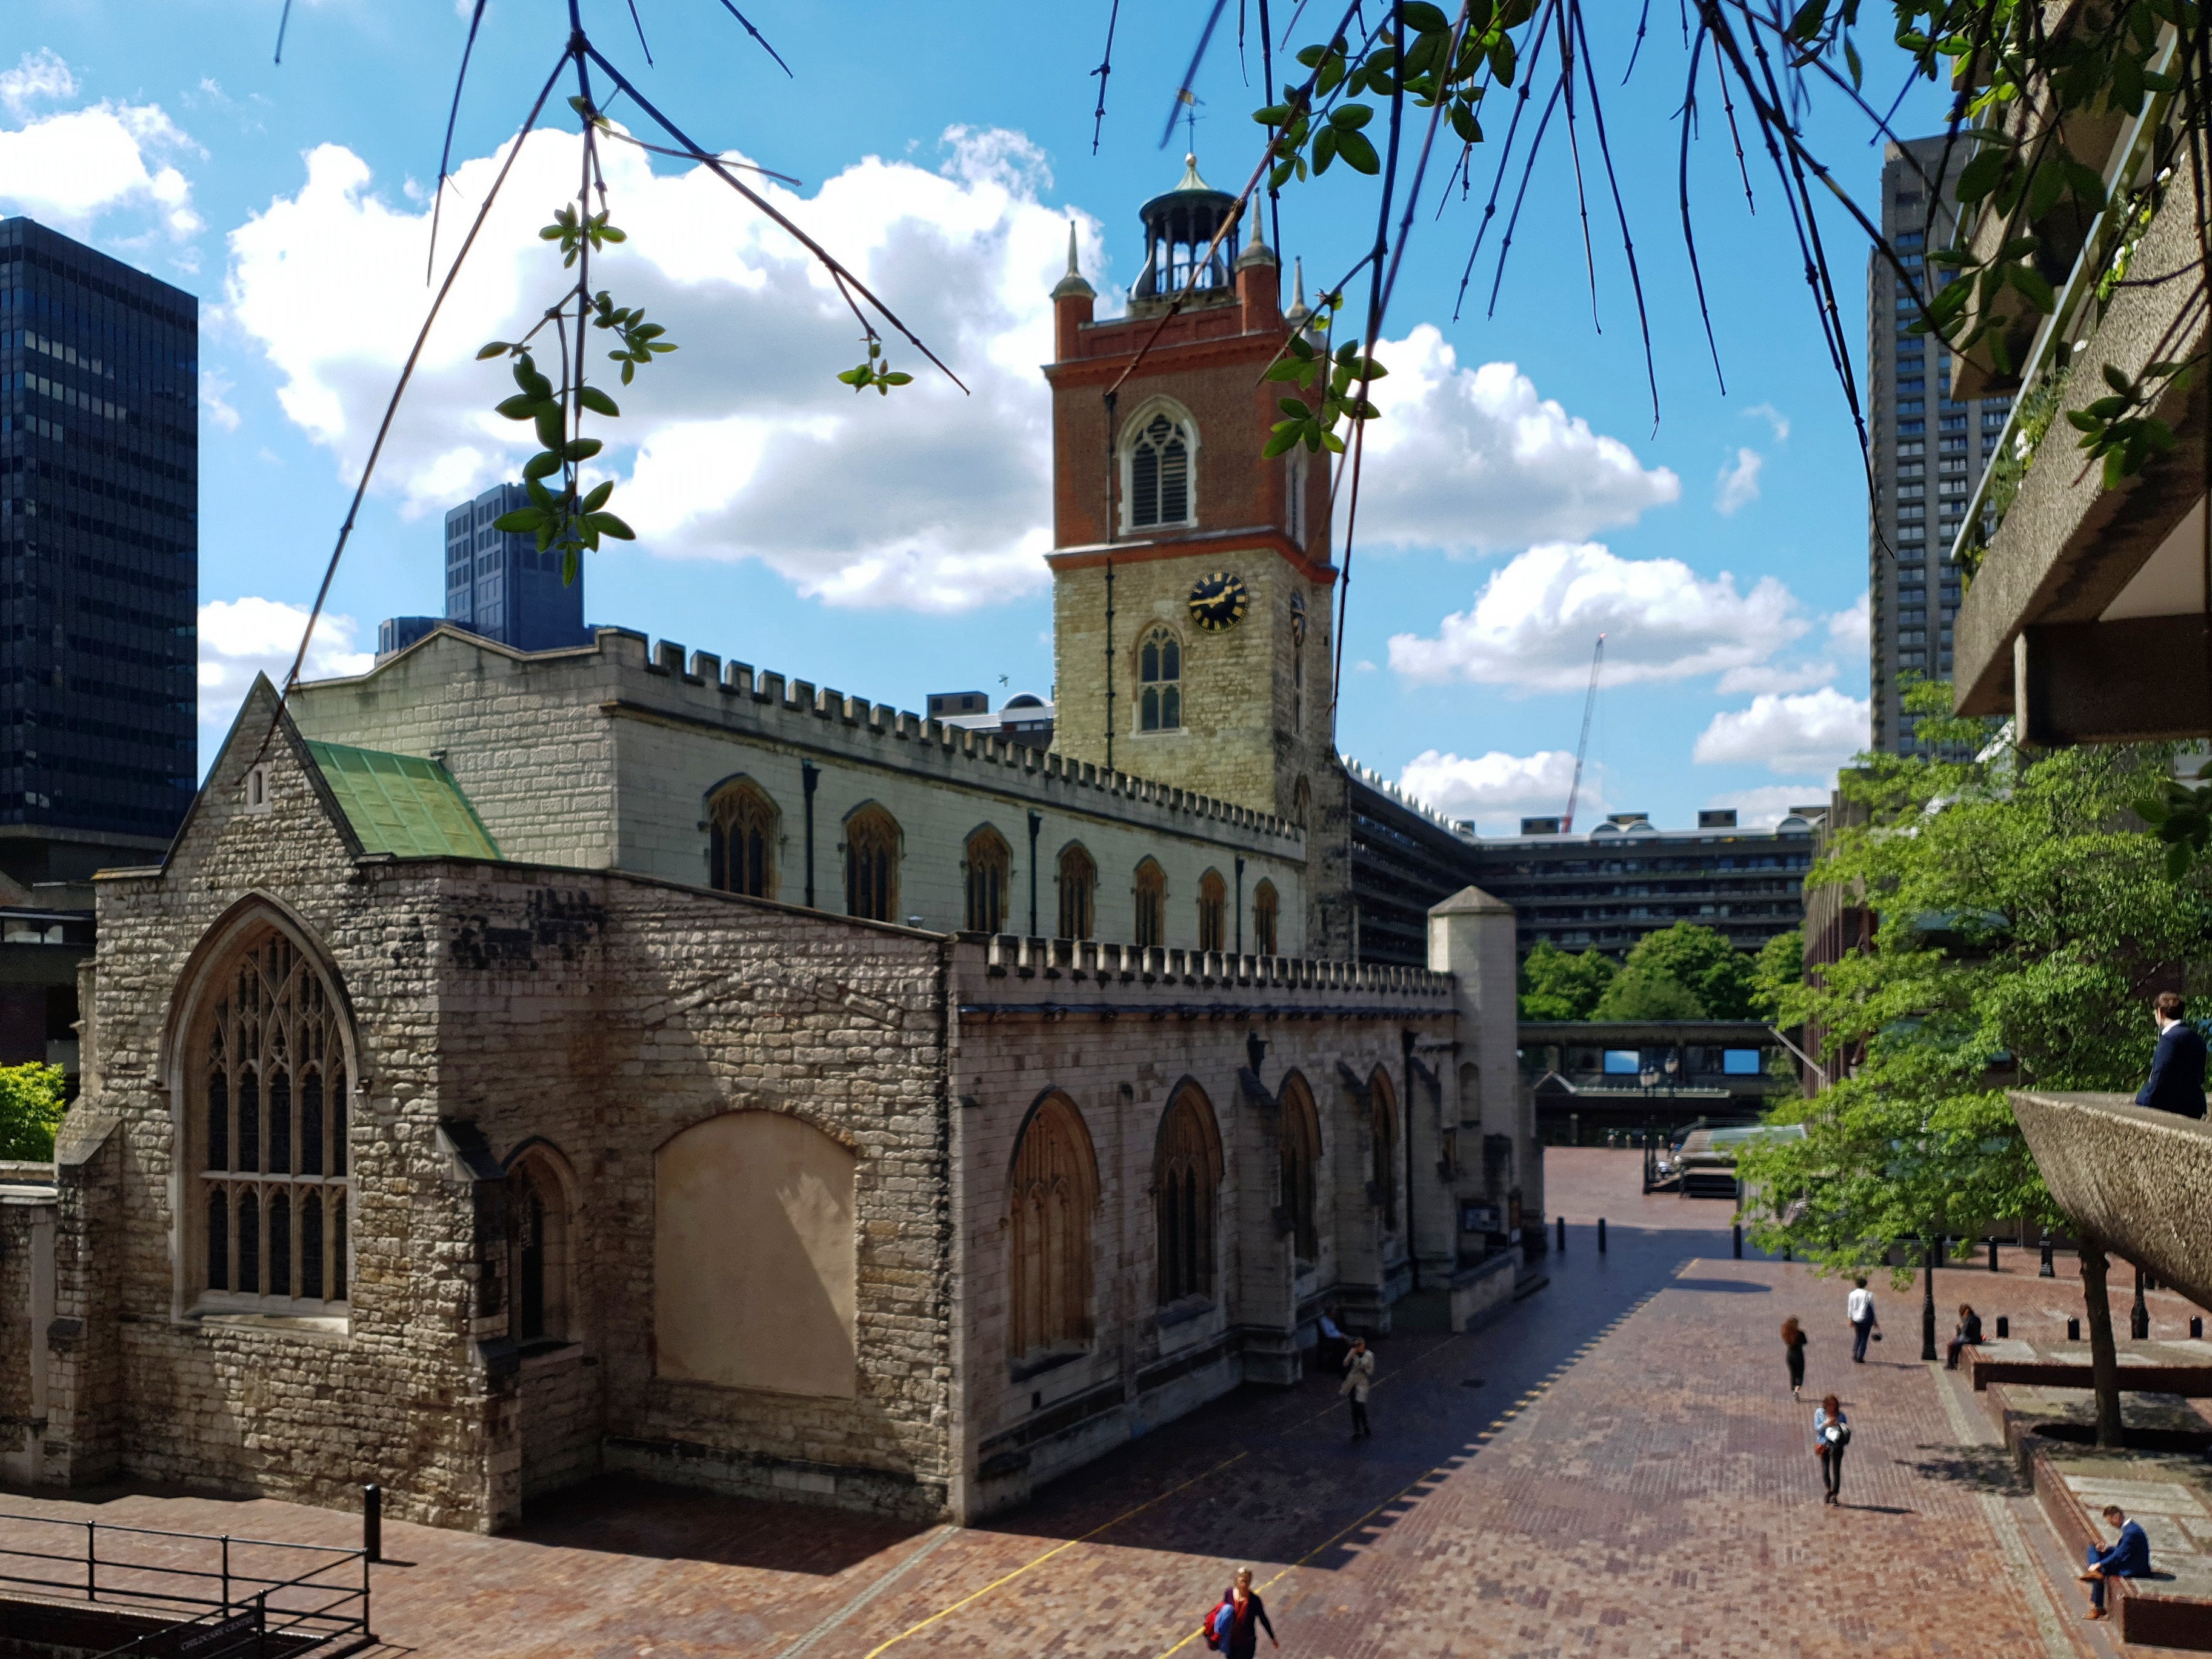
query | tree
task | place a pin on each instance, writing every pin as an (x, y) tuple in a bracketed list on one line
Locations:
[(2021, 915), (1780, 964), (1641, 994), (31, 1107), (1702, 962), (1555, 985)]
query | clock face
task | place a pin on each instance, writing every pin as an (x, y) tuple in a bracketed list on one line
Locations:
[(1217, 601)]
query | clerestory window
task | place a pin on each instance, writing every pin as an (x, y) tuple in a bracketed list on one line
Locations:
[(1159, 682), (1159, 476)]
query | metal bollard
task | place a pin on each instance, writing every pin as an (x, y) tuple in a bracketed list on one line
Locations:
[(1737, 1229), (1786, 1254), (2004, 1327), (372, 1523), (2046, 1271), (2073, 1330), (1600, 1235), (1563, 1235), (1993, 1255)]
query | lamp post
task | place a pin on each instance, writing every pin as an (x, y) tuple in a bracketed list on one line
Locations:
[(1928, 1300)]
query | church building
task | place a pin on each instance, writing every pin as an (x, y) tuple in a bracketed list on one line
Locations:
[(531, 1064)]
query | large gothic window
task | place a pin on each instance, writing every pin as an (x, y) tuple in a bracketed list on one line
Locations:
[(990, 866), (741, 826), (268, 1131), (871, 859), (1301, 1159), (1159, 475), (1384, 1178), (1052, 1192), (1264, 905), (1159, 682), (1212, 912), (1078, 893), (1186, 1193), (1151, 896)]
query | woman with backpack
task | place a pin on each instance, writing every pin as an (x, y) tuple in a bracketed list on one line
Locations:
[(1831, 1432), (1233, 1628)]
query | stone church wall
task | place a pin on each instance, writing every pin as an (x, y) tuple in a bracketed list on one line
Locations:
[(607, 757)]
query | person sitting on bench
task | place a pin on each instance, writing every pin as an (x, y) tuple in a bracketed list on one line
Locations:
[(2128, 1558), (1968, 1334)]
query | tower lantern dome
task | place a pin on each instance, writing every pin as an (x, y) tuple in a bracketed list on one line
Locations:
[(1179, 226)]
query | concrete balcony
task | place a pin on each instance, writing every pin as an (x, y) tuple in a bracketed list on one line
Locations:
[(2138, 1182)]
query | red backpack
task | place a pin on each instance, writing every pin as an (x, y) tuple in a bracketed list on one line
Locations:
[(1218, 1623)]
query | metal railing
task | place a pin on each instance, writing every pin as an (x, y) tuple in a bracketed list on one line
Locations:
[(230, 1595)]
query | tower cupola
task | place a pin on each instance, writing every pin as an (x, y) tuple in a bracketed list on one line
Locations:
[(1179, 226)]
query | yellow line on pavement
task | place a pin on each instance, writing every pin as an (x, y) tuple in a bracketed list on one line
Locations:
[(1039, 1561)]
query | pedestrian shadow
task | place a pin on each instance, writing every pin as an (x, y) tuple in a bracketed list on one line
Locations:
[(1973, 1468), (1721, 1287), (1879, 1509)]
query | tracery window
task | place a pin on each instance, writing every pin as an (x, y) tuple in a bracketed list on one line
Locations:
[(872, 857), (1263, 919), (1151, 895), (1078, 893), (741, 834), (1159, 680), (1212, 912), (1052, 1190), (1301, 1158), (1159, 475), (269, 1131), (990, 867), (1186, 1194), (1383, 1104)]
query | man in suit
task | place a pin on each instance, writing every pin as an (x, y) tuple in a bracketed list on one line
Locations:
[(2176, 1070), (2128, 1558)]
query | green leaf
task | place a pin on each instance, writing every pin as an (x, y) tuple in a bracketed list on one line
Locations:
[(520, 407), (1807, 23), (1359, 154), (543, 464), (2032, 282), (607, 524), (522, 518), (1350, 118), (551, 427), (1324, 150), (898, 377), (581, 449), (496, 348), (1424, 18), (1502, 60), (597, 401), (597, 498), (1285, 440), (1980, 176)]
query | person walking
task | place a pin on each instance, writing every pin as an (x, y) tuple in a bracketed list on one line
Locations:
[(1358, 1378), (1968, 1334), (1858, 1307), (1793, 1353), (1233, 1628), (2177, 1066), (1831, 1432)]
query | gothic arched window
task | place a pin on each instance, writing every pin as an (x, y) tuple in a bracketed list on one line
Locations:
[(1151, 895), (1212, 912), (872, 860), (1159, 475), (1052, 1190), (1159, 682), (1301, 1159), (540, 1260), (1078, 892), (1385, 1105), (1263, 919), (268, 1129), (741, 832), (990, 866), (1186, 1193)]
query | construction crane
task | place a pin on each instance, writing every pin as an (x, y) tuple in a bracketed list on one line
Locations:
[(1582, 745)]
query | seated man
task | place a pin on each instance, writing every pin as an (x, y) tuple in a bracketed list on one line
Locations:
[(1967, 1335), (2128, 1558), (2177, 1066)]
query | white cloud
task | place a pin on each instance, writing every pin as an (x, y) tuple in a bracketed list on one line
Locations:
[(1773, 418), (741, 445), (216, 388), (1775, 676), (240, 638), (1816, 731), (1766, 805), (1535, 621), (70, 167), (1851, 627), (1737, 487), (1474, 461), (1497, 789)]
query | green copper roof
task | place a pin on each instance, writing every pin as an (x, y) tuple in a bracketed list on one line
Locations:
[(402, 804)]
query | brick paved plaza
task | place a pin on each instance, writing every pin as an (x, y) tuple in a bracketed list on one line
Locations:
[(1613, 1466)]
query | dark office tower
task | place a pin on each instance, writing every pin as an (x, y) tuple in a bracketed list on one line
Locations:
[(99, 557), (500, 585), (1929, 449)]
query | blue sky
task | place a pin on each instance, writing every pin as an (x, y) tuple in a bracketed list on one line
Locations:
[(890, 547)]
